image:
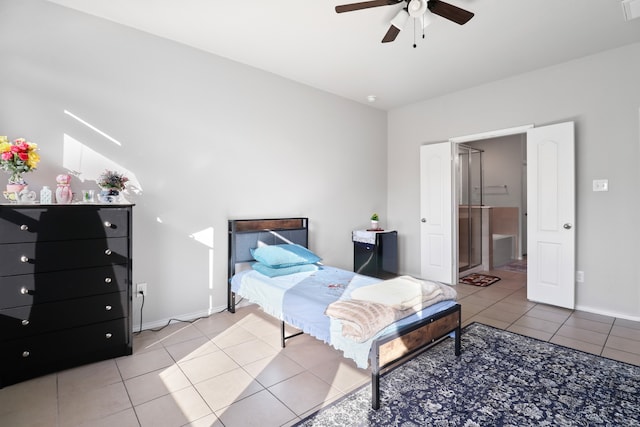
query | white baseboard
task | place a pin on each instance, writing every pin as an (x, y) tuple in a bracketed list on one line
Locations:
[(607, 313)]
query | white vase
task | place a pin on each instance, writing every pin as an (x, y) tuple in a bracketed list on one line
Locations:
[(374, 225)]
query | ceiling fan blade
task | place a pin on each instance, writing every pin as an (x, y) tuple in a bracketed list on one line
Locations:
[(365, 5), (391, 35), (449, 11)]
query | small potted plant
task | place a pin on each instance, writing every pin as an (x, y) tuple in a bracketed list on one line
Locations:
[(111, 183), (374, 221)]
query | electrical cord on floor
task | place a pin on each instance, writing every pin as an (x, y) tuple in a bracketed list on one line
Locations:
[(172, 319)]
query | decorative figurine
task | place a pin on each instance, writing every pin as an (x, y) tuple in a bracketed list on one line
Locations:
[(63, 192)]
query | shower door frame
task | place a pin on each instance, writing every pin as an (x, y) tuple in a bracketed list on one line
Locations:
[(471, 262)]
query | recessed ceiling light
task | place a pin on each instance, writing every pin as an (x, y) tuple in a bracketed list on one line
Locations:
[(371, 98)]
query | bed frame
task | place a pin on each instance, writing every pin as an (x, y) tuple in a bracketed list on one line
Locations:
[(388, 351)]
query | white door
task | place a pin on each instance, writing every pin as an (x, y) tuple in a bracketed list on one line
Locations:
[(437, 213), (551, 215)]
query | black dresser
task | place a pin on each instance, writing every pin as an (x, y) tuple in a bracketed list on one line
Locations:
[(375, 253), (65, 287)]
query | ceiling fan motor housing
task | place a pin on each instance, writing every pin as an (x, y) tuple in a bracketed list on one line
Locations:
[(417, 8)]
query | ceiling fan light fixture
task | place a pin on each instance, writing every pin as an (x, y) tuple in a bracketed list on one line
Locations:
[(417, 8), (400, 19), (427, 19)]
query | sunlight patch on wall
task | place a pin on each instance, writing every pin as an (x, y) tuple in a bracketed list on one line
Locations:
[(206, 238), (88, 164), (93, 128)]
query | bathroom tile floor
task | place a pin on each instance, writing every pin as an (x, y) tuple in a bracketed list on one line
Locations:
[(229, 369)]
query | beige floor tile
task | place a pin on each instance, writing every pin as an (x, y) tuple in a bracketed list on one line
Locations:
[(542, 312), (623, 344), (534, 333), (94, 375), (20, 397), (145, 341), (342, 374), (303, 392), (193, 348), (627, 323), (142, 363), (210, 420), (588, 325), (222, 390), (260, 410), (126, 418), (591, 337), (576, 344), (481, 318), (204, 367), (498, 313), (625, 332), (250, 351), (84, 406), (216, 323), (538, 324), (594, 317), (308, 351), (622, 356), (182, 332), (230, 337), (32, 403), (175, 409), (271, 370), (152, 385)]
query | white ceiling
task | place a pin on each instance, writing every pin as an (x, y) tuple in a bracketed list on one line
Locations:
[(307, 41)]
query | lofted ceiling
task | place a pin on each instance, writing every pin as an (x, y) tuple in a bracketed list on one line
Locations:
[(308, 42)]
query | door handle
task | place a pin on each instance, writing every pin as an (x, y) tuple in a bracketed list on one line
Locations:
[(423, 220), (567, 226)]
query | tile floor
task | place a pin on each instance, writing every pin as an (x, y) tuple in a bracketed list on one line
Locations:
[(229, 370)]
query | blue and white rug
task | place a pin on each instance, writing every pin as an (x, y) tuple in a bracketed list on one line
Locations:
[(500, 379)]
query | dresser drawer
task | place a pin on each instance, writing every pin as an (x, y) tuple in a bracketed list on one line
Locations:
[(38, 257), (30, 224), (28, 289), (25, 321), (31, 357)]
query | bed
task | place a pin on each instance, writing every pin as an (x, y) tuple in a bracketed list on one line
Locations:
[(302, 298)]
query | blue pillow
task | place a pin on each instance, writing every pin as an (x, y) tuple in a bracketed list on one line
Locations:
[(283, 271), (284, 255)]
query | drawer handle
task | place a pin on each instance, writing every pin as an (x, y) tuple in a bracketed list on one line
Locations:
[(107, 280), (25, 353), (24, 290), (107, 224), (108, 335), (24, 227), (25, 322), (107, 307), (107, 252), (24, 258)]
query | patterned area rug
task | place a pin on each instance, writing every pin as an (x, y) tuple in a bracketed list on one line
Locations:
[(500, 379), (479, 279)]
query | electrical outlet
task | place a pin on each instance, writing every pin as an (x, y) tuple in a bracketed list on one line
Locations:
[(580, 276), (141, 289)]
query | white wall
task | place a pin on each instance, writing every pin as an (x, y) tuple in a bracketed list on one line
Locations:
[(602, 95), (207, 138)]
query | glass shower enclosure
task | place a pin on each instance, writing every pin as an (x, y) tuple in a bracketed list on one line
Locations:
[(469, 170)]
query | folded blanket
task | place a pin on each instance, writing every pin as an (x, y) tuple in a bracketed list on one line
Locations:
[(401, 293), (362, 319)]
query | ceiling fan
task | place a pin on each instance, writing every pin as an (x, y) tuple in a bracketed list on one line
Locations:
[(416, 9)]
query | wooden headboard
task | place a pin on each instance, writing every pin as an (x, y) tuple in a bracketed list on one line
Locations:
[(246, 234)]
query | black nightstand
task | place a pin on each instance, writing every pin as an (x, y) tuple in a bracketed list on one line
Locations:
[(375, 253)]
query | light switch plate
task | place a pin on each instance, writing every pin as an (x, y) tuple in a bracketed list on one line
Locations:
[(600, 185)]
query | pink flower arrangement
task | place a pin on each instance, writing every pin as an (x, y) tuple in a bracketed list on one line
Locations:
[(18, 157)]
